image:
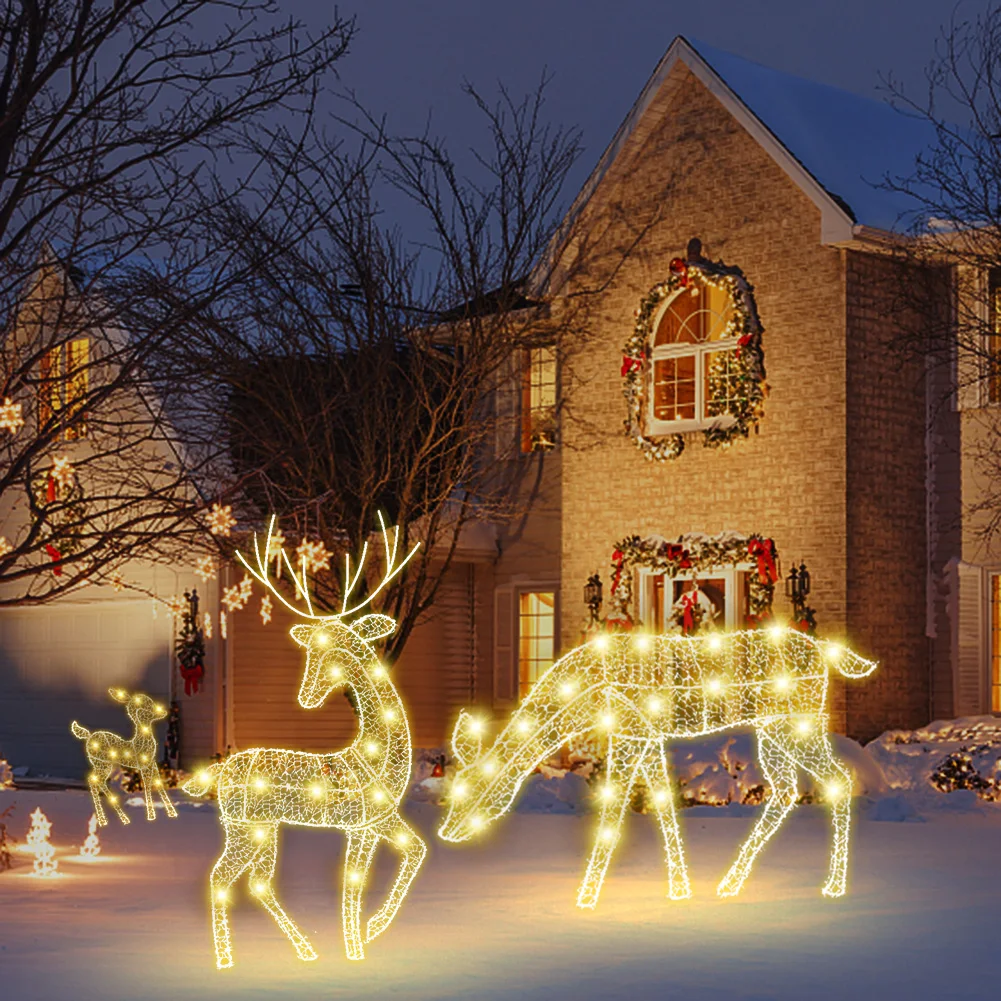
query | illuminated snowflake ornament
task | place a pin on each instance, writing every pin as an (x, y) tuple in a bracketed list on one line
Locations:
[(314, 556), (639, 691), (11, 418), (62, 471), (5, 546), (220, 519), (266, 609), (37, 842), (106, 751), (356, 790), (205, 568)]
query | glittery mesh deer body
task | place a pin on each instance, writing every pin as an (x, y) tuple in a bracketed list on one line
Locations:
[(106, 751), (357, 789), (641, 690)]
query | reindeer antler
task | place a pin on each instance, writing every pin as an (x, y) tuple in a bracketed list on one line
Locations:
[(301, 582)]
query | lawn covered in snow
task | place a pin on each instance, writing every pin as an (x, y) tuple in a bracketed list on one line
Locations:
[(497, 919)]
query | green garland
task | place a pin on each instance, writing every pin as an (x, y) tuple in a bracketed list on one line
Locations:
[(736, 378), (696, 554), (64, 514)]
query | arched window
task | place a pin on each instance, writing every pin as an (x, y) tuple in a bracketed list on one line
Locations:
[(692, 353)]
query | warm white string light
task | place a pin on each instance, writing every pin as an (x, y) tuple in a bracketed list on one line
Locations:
[(106, 750), (37, 842), (357, 790), (220, 519), (11, 416), (642, 690), (91, 846)]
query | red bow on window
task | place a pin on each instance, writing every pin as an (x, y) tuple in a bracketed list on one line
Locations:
[(630, 364)]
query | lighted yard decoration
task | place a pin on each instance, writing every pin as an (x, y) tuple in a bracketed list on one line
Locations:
[(357, 790), (91, 846), (37, 842), (106, 750), (641, 690)]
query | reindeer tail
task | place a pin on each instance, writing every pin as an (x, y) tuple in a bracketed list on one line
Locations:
[(80, 732), (202, 781)]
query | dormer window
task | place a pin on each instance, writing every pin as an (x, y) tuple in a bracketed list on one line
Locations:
[(692, 361)]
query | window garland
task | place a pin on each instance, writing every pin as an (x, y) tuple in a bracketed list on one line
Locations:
[(736, 389)]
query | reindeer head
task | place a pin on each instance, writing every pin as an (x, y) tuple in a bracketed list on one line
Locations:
[(469, 806), (141, 708), (336, 650)]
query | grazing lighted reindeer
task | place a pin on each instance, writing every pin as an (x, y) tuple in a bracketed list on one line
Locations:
[(357, 790), (641, 690), (106, 750)]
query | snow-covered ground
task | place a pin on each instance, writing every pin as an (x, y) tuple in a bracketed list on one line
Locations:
[(497, 919)]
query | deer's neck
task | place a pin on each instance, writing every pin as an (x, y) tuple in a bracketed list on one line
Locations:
[(383, 742)]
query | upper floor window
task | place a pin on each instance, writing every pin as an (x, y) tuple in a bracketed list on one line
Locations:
[(538, 398), (65, 382), (993, 354), (695, 378)]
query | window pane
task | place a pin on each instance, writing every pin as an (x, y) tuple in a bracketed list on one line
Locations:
[(538, 399), (718, 313), (77, 384), (674, 389), (681, 322), (724, 392), (536, 636)]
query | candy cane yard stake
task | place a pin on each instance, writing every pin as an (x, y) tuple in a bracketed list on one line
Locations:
[(357, 790), (640, 690)]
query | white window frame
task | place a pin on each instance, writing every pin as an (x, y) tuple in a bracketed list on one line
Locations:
[(730, 574), (663, 352), (533, 587)]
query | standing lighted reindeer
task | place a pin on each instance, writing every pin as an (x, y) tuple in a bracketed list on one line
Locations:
[(106, 750), (356, 790), (641, 690)]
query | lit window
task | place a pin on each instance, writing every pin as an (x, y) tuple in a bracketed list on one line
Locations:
[(65, 382), (996, 643), (694, 376), (536, 636), (538, 399)]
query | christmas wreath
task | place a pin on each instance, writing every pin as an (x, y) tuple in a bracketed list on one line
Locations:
[(736, 379), (61, 504), (694, 554)]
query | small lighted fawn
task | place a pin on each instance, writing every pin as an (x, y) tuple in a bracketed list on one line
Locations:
[(106, 750), (357, 790), (641, 690)]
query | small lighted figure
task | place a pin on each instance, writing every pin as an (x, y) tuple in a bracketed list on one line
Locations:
[(91, 846), (37, 842), (357, 790), (106, 750), (641, 690)]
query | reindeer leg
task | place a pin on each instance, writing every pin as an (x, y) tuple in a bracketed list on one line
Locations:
[(659, 781), (101, 774), (147, 775), (779, 772), (262, 874), (620, 775), (414, 852), (816, 756), (357, 861), (237, 854), (94, 781), (168, 805)]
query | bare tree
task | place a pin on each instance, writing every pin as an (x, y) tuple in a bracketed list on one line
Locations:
[(365, 371), (124, 127)]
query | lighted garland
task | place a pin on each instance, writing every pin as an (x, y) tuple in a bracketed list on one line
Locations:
[(695, 554), (736, 378)]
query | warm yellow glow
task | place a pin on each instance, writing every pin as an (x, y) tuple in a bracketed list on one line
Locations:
[(681, 686), (91, 846), (38, 843), (104, 748), (601, 642), (356, 790), (11, 418), (775, 632), (834, 651)]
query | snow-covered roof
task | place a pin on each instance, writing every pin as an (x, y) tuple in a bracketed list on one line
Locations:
[(847, 142), (836, 146)]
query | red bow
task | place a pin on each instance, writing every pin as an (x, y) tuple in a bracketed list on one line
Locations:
[(618, 559), (50, 490), (56, 557), (192, 677), (763, 550), (688, 601), (677, 553), (680, 268), (630, 364)]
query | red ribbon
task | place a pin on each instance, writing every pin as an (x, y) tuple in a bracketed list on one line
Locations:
[(744, 340), (688, 601), (630, 364), (680, 268), (192, 677), (763, 550), (50, 490), (677, 553), (56, 557)]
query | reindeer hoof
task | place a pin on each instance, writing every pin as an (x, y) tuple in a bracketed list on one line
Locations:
[(224, 963), (306, 953)]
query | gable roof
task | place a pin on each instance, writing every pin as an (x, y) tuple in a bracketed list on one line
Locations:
[(834, 145)]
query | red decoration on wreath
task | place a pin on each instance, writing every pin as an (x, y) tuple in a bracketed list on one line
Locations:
[(192, 677), (680, 268), (763, 550), (630, 365)]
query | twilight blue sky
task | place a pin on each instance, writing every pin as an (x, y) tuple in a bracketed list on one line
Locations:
[(411, 56)]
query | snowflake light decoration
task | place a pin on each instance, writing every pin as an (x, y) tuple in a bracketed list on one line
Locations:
[(205, 568), (207, 625), (266, 609), (357, 790), (11, 417), (233, 598), (5, 546), (313, 555), (640, 690), (62, 471), (106, 751), (220, 519)]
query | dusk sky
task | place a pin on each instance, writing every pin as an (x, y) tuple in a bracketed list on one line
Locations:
[(411, 58)]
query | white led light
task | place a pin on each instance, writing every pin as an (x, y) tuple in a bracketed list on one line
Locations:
[(778, 688), (356, 790)]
